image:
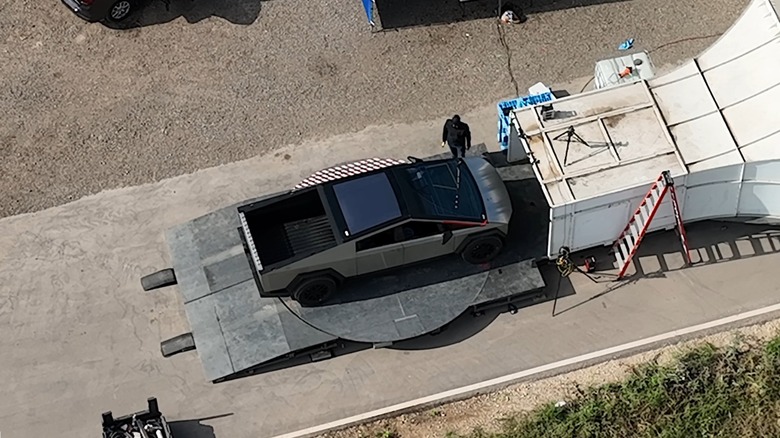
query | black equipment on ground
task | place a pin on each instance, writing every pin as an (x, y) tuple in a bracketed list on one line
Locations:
[(143, 424)]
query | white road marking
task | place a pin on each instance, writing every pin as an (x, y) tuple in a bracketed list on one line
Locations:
[(510, 378)]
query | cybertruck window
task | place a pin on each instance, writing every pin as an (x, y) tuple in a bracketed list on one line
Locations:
[(441, 190), (367, 202)]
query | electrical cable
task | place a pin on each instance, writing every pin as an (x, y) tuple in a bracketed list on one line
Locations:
[(565, 266), (508, 50), (683, 40)]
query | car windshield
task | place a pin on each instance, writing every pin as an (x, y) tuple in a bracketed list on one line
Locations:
[(444, 190), (367, 202)]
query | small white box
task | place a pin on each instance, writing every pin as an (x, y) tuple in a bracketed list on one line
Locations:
[(608, 71)]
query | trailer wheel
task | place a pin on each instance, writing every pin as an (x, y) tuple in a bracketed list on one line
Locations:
[(314, 291), (179, 344), (482, 249), (163, 278)]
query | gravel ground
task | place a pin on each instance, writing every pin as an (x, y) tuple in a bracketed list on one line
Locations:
[(87, 108), (486, 411)]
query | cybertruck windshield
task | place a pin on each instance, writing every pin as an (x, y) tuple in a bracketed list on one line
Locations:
[(441, 190)]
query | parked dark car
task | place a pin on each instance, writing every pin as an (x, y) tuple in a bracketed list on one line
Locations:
[(102, 10)]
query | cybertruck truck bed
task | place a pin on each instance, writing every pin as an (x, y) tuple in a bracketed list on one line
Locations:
[(287, 228)]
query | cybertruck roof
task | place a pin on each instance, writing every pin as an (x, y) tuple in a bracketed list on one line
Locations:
[(300, 223)]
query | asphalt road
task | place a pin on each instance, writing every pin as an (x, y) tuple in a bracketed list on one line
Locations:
[(80, 337), (87, 108)]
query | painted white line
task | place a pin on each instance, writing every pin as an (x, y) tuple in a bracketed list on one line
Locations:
[(476, 387)]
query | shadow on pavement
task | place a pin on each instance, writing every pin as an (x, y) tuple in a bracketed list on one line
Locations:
[(710, 242), (151, 12), (194, 428), (471, 323), (397, 14), (538, 6)]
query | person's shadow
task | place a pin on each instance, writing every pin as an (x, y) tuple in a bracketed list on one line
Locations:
[(151, 12)]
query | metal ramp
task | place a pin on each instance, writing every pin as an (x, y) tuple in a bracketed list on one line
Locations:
[(237, 332)]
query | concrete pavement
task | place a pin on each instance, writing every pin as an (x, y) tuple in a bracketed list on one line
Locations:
[(80, 336), (496, 385)]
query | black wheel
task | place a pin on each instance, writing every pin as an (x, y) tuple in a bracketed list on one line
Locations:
[(120, 10), (314, 291), (177, 345), (482, 249), (159, 279)]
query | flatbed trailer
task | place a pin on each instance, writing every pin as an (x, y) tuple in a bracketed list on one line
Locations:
[(237, 332)]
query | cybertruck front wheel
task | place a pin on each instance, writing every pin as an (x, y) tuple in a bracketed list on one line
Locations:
[(314, 291), (482, 249)]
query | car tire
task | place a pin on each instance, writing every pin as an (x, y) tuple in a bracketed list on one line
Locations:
[(482, 249), (120, 10), (314, 291)]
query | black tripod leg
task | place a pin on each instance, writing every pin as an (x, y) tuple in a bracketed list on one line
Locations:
[(579, 139), (566, 154), (557, 291)]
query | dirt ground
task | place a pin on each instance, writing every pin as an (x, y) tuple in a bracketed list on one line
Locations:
[(87, 108), (486, 411)]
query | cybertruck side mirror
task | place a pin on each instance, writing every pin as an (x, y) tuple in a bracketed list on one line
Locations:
[(446, 237)]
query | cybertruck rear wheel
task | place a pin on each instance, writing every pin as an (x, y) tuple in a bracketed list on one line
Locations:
[(314, 291), (482, 249)]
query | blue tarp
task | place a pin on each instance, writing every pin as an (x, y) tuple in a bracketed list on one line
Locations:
[(368, 5), (507, 105)]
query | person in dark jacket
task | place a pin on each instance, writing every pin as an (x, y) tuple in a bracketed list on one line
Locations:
[(457, 135)]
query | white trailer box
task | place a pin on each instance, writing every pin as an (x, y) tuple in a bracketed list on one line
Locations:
[(594, 182), (713, 123)]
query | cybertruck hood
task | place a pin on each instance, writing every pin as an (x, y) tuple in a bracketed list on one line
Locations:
[(498, 205)]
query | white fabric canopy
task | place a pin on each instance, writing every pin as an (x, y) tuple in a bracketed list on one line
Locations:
[(723, 107), (714, 123)]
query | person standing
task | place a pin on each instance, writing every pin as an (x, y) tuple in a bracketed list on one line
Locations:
[(457, 135)]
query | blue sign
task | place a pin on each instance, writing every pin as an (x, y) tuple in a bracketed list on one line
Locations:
[(368, 5), (506, 106)]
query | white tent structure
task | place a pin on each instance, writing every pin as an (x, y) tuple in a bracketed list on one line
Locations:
[(714, 123)]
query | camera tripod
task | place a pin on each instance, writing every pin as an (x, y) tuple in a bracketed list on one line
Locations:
[(569, 133)]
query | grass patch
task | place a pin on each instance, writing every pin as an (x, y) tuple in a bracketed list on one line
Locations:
[(707, 392)]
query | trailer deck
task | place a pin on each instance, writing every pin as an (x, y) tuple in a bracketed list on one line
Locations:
[(236, 331)]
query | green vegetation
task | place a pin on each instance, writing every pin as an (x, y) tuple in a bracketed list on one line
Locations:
[(384, 433), (708, 392)]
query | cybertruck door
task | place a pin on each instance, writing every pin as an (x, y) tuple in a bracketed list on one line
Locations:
[(426, 241), (377, 259), (379, 251)]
